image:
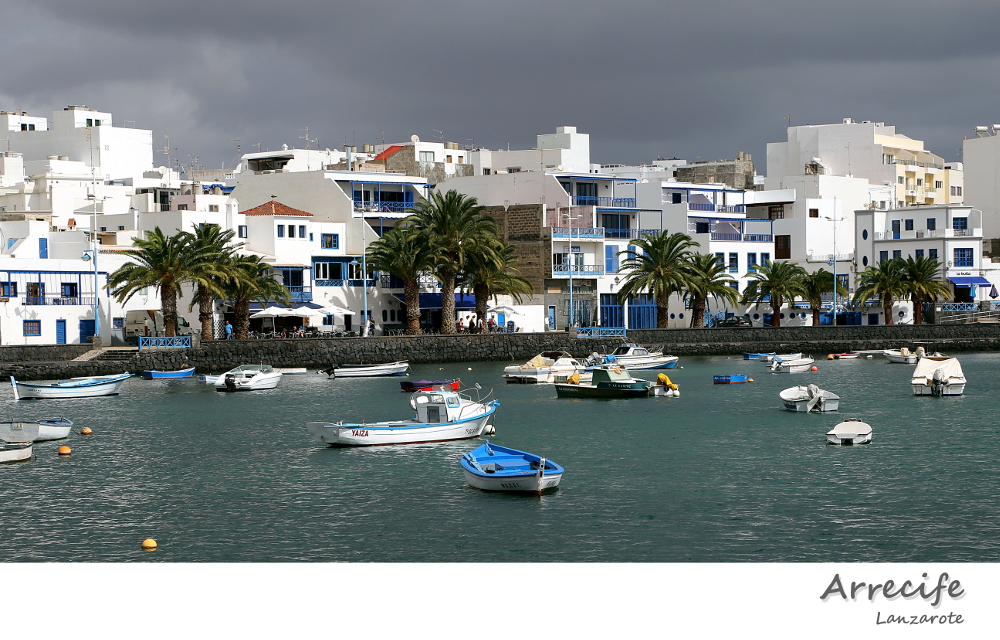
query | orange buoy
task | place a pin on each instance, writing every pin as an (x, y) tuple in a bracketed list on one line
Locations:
[(65, 451), (85, 431), (149, 544), (814, 369)]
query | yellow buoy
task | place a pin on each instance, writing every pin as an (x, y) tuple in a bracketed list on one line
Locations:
[(65, 451), (149, 544), (829, 357), (749, 379), (85, 431)]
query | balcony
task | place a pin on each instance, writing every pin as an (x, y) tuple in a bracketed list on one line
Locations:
[(375, 206), (717, 208), (579, 233), (627, 234), (586, 270), (58, 300), (595, 201), (301, 294), (743, 237)]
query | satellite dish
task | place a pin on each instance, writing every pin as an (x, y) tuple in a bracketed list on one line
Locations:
[(560, 168), (414, 138)]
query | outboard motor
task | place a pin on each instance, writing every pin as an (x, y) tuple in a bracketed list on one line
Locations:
[(937, 382), (331, 371), (230, 382)]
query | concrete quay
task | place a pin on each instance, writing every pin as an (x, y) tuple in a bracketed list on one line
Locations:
[(57, 362)]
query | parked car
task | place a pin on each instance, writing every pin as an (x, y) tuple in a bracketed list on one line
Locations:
[(736, 321)]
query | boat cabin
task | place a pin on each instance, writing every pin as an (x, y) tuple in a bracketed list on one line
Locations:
[(434, 407), (611, 374), (630, 350)]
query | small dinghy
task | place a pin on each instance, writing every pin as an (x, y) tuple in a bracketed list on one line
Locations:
[(409, 386), (849, 355), (735, 378), (779, 365), (16, 440), (809, 398), (491, 467), (768, 358), (900, 356), (248, 377), (758, 356), (664, 387), (86, 387), (850, 431), (367, 370), (156, 374)]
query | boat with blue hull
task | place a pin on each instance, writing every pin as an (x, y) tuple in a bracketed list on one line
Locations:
[(155, 374), (491, 467), (440, 416), (89, 387), (633, 356)]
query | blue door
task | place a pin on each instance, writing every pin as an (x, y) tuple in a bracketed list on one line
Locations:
[(60, 332), (43, 248), (895, 229), (552, 318), (86, 330)]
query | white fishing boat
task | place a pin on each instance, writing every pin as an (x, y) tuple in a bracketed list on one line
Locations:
[(92, 386), (850, 431), (938, 376), (767, 358), (900, 356), (809, 398), (440, 416), (799, 365), (48, 428), (367, 370), (548, 367), (248, 377), (491, 467), (16, 440), (632, 356)]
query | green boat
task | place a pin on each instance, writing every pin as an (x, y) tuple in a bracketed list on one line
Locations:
[(608, 381)]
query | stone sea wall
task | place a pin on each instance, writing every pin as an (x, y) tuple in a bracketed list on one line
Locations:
[(51, 362)]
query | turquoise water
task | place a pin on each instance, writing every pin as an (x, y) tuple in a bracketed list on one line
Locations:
[(721, 474)]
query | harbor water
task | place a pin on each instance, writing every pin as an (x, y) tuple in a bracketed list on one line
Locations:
[(720, 474)]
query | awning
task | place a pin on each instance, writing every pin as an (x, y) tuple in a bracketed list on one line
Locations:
[(433, 300), (970, 281), (256, 306)]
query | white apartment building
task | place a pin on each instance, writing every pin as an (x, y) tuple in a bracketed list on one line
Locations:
[(981, 156)]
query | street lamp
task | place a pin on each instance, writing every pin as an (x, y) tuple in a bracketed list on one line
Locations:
[(833, 262)]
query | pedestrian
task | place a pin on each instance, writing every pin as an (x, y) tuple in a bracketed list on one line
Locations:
[(229, 331), (371, 326), (493, 324), (461, 326)]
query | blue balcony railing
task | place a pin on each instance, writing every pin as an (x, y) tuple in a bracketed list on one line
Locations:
[(158, 342), (960, 306), (597, 233), (718, 208), (596, 201), (627, 234), (601, 332), (375, 206), (578, 269), (301, 294), (58, 300)]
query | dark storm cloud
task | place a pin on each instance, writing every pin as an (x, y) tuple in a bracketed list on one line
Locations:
[(645, 79)]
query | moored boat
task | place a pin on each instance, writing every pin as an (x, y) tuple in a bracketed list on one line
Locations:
[(440, 416), (938, 376), (847, 355), (664, 387), (809, 398), (53, 428), (799, 365), (769, 357), (734, 378), (607, 381), (633, 356), (900, 356), (16, 440), (547, 367), (367, 370), (156, 374), (248, 377), (850, 431), (491, 467), (411, 386), (758, 355), (89, 387)]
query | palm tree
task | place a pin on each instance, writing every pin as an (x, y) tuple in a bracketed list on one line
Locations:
[(817, 284), (157, 261), (883, 281), (251, 280), (922, 283), (211, 244), (773, 283), (493, 270), (453, 223), (661, 268), (707, 277), (406, 254)]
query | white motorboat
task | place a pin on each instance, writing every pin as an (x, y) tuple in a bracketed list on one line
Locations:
[(548, 367), (850, 431), (88, 387), (900, 356), (440, 416), (779, 365), (491, 467), (367, 370), (938, 376), (632, 356), (248, 377), (768, 358), (809, 398), (16, 440)]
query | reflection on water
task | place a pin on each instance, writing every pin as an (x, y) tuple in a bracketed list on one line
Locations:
[(720, 474)]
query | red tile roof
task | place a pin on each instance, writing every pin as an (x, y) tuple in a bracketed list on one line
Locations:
[(275, 208)]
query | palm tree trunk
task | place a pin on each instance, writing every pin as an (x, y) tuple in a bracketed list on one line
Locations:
[(815, 311), (697, 312), (482, 293), (888, 313), (411, 291), (662, 315), (918, 310), (168, 301), (205, 313), (447, 301), (242, 311), (776, 311)]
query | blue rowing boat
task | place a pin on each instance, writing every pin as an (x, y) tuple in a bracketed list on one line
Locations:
[(154, 374), (491, 467)]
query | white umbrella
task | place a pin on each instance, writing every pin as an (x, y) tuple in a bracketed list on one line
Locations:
[(504, 309), (272, 312), (333, 309), (307, 312)]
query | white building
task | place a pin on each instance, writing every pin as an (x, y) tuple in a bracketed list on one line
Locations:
[(981, 156)]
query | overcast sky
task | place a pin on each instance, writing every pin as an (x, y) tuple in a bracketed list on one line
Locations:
[(695, 79)]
